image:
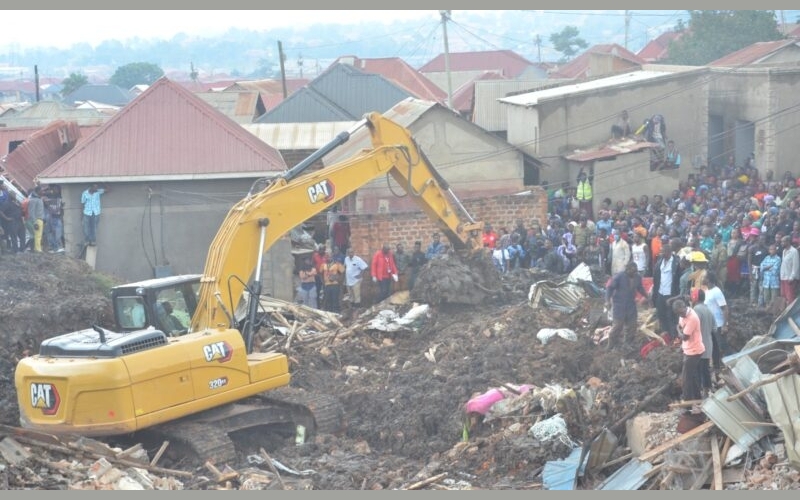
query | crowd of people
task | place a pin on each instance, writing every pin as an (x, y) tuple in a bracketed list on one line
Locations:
[(35, 223)]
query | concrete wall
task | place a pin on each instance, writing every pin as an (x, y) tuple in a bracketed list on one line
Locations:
[(766, 98), (173, 224), (473, 162), (584, 120)]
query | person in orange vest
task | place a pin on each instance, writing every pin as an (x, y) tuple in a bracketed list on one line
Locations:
[(489, 237), (384, 270)]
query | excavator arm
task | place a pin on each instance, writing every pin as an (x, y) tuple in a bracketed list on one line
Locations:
[(255, 223)]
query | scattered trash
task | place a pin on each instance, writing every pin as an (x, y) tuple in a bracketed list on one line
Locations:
[(388, 320), (545, 334), (552, 428)]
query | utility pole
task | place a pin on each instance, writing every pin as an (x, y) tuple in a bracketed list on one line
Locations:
[(445, 16), (627, 26), (538, 42), (283, 70)]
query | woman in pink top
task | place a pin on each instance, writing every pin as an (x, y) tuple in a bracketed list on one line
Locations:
[(693, 348)]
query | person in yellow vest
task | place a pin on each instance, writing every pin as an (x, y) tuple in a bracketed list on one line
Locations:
[(583, 193)]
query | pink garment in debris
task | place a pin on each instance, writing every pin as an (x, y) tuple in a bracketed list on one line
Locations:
[(481, 404)]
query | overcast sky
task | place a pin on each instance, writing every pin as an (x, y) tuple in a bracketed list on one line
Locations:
[(54, 28)]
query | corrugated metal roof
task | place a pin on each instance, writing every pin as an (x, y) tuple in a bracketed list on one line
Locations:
[(560, 475), (399, 72), (611, 151), (728, 417), (629, 477), (43, 113), (464, 96), (533, 98), (292, 136), (658, 48), (270, 86), (488, 112), (242, 106), (166, 132), (341, 93), (39, 151), (755, 53), (506, 62), (578, 67), (105, 93)]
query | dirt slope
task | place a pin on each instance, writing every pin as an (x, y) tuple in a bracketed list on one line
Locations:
[(404, 410)]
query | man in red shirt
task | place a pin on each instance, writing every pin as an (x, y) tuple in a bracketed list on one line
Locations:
[(384, 270), (489, 237), (693, 348)]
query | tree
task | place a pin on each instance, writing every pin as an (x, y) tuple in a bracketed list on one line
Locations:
[(140, 73), (72, 83), (715, 33), (568, 42)]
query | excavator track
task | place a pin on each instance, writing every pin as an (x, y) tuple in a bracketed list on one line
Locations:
[(213, 435)]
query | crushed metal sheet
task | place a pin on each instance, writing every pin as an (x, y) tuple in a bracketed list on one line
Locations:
[(728, 417), (782, 328), (783, 403), (562, 474), (565, 295), (628, 478)]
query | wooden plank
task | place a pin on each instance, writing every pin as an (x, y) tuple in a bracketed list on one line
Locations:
[(725, 448), (13, 452), (426, 482), (717, 465), (268, 458), (159, 453), (697, 431), (701, 478), (684, 404)]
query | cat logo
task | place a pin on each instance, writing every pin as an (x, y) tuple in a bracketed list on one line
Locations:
[(219, 351), (45, 396), (324, 191)]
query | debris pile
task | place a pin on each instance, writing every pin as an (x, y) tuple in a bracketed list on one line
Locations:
[(457, 391)]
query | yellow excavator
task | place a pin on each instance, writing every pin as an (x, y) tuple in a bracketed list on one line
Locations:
[(181, 358)]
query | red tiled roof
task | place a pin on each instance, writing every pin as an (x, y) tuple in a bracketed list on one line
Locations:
[(579, 67), (464, 96), (167, 131), (506, 62), (40, 150), (399, 72), (753, 53), (790, 30), (658, 48)]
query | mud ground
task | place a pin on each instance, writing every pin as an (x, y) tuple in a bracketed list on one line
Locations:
[(403, 410)]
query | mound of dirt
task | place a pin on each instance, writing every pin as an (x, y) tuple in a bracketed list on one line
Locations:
[(453, 279), (43, 295)]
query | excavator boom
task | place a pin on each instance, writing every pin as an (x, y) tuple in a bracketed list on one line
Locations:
[(260, 219)]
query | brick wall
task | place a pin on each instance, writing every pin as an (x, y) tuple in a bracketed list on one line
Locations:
[(369, 231)]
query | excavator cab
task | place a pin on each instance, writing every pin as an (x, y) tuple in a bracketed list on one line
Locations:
[(166, 304)]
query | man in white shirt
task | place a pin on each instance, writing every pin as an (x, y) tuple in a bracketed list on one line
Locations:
[(790, 270), (715, 300), (354, 266)]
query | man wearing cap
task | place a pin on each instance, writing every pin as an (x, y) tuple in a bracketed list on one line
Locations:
[(700, 266), (790, 270)]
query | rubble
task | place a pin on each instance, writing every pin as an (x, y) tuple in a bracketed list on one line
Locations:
[(405, 392)]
